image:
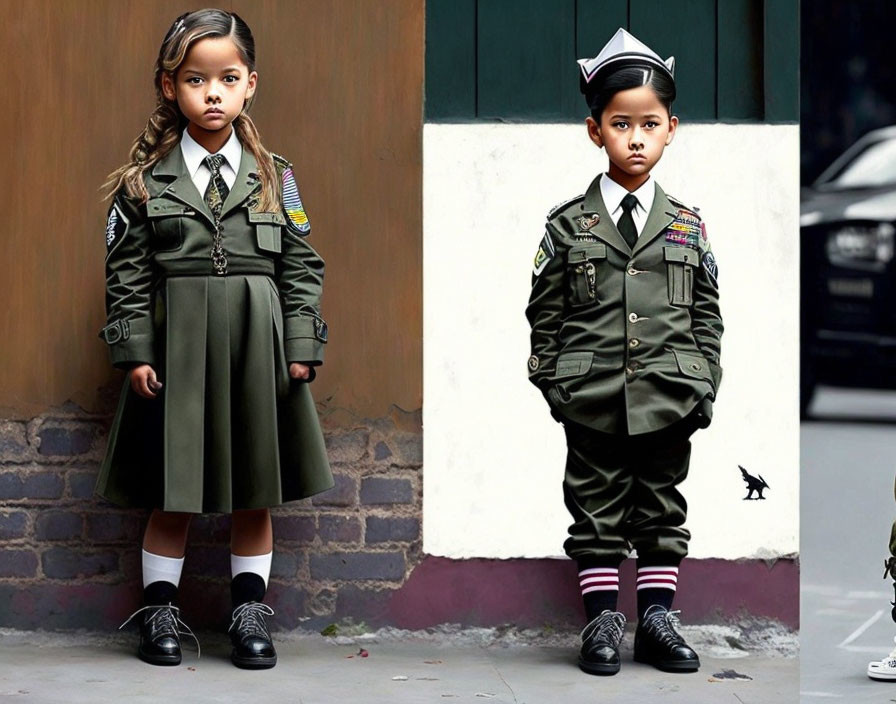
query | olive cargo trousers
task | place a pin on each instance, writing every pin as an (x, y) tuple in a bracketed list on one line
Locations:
[(622, 493)]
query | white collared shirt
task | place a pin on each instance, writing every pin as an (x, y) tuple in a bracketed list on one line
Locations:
[(194, 154), (613, 193)]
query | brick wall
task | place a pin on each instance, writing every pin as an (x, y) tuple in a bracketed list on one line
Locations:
[(68, 560)]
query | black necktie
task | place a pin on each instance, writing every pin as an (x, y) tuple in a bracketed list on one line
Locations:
[(216, 192), (626, 224)]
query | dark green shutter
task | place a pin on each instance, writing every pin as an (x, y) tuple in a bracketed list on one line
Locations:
[(736, 60)]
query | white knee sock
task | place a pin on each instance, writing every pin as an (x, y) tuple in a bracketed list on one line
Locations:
[(158, 568), (257, 564)]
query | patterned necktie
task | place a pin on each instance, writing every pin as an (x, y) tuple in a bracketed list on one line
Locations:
[(626, 224), (216, 192), (215, 195)]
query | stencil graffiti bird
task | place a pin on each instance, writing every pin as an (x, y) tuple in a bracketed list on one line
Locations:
[(754, 484)]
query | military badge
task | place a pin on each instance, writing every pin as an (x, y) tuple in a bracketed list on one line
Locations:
[(586, 222), (292, 204), (116, 226), (544, 254)]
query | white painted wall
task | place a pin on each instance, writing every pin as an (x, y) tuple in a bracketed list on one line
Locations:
[(493, 457)]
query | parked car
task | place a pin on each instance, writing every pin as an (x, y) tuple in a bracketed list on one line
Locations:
[(848, 276)]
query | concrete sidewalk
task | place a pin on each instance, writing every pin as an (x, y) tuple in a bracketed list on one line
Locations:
[(460, 666)]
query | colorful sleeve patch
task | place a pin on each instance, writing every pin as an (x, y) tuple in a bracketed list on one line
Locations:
[(544, 254), (116, 226), (292, 204)]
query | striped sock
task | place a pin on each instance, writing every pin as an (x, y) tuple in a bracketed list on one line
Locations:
[(600, 590), (656, 586)]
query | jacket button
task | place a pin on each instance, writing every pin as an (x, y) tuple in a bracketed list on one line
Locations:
[(695, 367), (634, 342), (633, 317), (632, 271)]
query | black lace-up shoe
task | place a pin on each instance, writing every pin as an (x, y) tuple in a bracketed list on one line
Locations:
[(600, 644), (252, 646), (160, 631), (657, 642)]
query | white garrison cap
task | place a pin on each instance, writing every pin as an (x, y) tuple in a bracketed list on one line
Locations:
[(622, 51)]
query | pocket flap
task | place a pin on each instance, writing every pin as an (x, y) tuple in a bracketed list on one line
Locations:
[(693, 365), (162, 208), (573, 364), (272, 218), (683, 255), (583, 252), (269, 237)]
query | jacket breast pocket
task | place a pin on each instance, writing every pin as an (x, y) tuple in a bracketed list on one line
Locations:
[(167, 223), (268, 231), (583, 266), (681, 264)]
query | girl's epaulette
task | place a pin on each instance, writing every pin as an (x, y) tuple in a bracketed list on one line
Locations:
[(281, 163)]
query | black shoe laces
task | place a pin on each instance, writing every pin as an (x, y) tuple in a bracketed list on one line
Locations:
[(248, 619), (165, 619), (662, 624), (606, 629)]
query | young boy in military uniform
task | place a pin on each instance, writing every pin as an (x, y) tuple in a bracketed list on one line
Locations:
[(625, 338)]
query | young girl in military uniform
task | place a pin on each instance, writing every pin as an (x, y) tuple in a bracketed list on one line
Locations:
[(625, 337), (212, 295)]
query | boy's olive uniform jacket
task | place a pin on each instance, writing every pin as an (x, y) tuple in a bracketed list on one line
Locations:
[(229, 429), (625, 341)]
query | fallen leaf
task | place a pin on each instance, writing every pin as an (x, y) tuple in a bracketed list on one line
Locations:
[(363, 653), (433, 662), (486, 695), (400, 678)]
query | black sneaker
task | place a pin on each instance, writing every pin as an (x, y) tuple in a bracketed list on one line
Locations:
[(657, 642), (252, 646), (600, 644), (160, 630)]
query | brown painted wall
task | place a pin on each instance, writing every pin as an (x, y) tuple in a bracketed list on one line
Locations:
[(340, 95)]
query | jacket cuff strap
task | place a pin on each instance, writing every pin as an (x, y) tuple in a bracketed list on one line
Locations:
[(130, 342)]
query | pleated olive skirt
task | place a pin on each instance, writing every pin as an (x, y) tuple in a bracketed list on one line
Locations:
[(229, 429)]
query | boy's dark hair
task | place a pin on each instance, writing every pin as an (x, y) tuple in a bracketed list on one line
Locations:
[(626, 78)]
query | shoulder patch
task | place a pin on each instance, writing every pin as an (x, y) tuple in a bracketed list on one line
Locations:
[(296, 218), (710, 264), (544, 254), (116, 226)]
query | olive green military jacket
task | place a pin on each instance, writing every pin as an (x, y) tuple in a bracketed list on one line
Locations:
[(171, 235), (624, 340)]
